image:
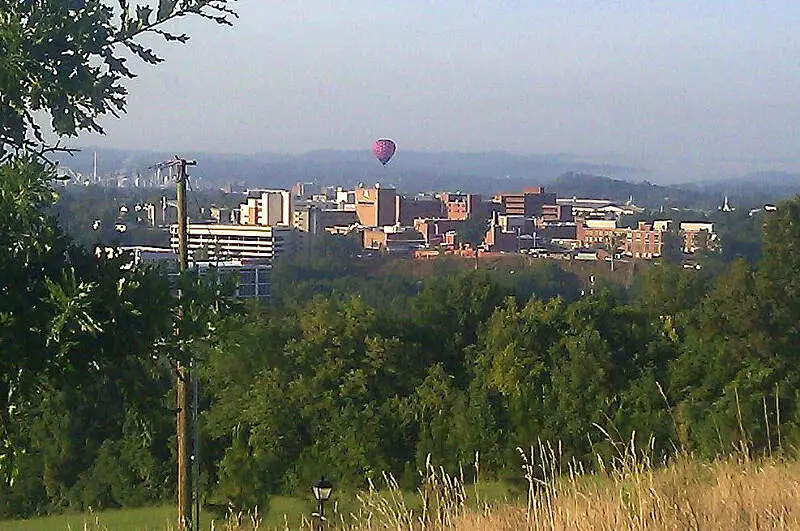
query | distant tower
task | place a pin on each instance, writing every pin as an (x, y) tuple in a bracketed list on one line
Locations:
[(726, 207), (94, 168)]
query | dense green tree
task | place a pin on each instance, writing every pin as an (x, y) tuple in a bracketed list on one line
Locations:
[(473, 230), (542, 279), (778, 290), (780, 281), (437, 405), (514, 361), (65, 315), (83, 338), (739, 234), (666, 290), (672, 246), (562, 369), (725, 352), (449, 314), (337, 267)]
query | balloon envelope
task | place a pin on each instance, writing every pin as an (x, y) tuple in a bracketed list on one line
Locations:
[(384, 149)]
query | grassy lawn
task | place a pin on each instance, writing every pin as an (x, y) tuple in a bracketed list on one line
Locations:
[(284, 511), (145, 519), (734, 493), (287, 510)]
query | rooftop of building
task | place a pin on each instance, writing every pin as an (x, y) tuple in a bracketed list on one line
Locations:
[(586, 202)]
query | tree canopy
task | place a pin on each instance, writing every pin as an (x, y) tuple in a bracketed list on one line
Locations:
[(65, 62), (71, 323)]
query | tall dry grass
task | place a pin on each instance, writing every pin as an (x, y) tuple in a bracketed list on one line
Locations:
[(631, 492), (733, 493)]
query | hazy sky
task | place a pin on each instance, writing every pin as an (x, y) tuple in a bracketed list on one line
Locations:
[(670, 84)]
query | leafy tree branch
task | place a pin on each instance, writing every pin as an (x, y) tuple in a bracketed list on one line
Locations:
[(66, 61)]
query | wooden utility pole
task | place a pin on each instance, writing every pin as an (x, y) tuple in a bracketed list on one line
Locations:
[(183, 248), (182, 421)]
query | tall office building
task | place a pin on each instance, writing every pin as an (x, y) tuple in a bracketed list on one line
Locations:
[(267, 208), (211, 241), (376, 206)]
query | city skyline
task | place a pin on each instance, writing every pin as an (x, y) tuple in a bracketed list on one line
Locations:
[(686, 88)]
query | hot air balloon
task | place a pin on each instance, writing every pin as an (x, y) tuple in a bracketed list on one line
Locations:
[(384, 149)]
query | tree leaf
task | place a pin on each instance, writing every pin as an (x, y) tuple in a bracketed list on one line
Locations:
[(166, 8)]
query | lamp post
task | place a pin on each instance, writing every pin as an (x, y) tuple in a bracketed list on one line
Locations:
[(322, 492)]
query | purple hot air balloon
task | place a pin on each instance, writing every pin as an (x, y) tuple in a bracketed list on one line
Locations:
[(384, 149)]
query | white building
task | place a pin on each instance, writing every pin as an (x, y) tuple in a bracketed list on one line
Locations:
[(697, 226), (607, 224), (345, 197), (228, 242), (599, 207), (697, 236), (252, 280), (267, 208), (662, 224), (149, 254), (251, 277)]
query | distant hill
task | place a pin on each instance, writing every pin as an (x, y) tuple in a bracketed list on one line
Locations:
[(753, 189), (644, 193), (745, 192), (416, 171), (410, 171)]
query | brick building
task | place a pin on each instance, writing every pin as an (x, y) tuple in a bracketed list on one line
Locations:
[(316, 220), (698, 236), (461, 206), (376, 206), (409, 209), (555, 213), (528, 203), (395, 242), (436, 231), (499, 240), (594, 232), (643, 241)]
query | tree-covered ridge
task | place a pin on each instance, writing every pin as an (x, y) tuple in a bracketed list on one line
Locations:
[(324, 381)]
